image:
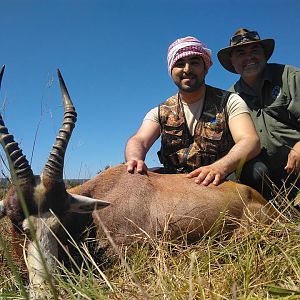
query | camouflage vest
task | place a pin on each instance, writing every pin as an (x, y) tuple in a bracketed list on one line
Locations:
[(182, 152)]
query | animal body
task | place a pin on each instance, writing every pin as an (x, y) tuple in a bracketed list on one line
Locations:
[(155, 203), (133, 204)]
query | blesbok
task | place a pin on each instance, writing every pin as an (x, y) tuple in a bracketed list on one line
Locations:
[(133, 204)]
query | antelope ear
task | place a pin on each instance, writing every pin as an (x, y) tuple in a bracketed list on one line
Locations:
[(2, 210), (83, 204)]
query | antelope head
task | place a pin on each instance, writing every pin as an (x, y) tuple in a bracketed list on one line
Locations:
[(32, 199)]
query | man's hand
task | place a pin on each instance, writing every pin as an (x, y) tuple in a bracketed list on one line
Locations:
[(208, 174), (293, 162), (139, 144), (246, 146), (139, 165)]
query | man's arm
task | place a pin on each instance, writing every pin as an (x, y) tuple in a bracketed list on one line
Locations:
[(246, 146), (139, 144), (293, 159)]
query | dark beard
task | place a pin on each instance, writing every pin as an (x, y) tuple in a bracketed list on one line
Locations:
[(190, 89)]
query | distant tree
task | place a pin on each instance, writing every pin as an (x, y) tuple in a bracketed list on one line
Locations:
[(107, 167)]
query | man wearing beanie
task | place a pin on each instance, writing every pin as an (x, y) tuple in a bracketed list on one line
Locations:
[(205, 131), (272, 93)]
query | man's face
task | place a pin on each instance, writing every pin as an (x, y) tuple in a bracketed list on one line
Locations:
[(189, 73), (248, 60)]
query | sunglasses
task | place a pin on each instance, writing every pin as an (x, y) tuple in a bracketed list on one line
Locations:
[(248, 36)]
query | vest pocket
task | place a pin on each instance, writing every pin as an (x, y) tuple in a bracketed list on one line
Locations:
[(212, 131), (172, 134)]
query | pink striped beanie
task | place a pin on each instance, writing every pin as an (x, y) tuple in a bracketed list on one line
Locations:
[(187, 46)]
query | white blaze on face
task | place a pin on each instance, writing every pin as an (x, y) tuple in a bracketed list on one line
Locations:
[(46, 227)]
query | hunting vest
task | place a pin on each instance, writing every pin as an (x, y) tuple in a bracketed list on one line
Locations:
[(180, 151)]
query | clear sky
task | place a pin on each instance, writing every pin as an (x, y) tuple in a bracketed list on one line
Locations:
[(112, 55)]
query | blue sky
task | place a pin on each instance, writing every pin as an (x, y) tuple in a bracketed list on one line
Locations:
[(112, 55)]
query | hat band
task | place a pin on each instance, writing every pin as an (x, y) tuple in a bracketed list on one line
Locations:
[(246, 37)]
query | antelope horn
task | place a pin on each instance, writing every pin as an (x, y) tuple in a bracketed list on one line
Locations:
[(55, 164), (17, 161)]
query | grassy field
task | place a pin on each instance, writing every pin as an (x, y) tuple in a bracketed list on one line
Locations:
[(258, 262)]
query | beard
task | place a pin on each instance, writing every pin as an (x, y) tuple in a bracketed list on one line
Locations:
[(190, 83), (254, 70)]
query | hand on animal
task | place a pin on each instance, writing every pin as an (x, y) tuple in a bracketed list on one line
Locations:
[(138, 165), (293, 162), (208, 174)]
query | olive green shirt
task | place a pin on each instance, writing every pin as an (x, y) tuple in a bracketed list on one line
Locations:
[(275, 110)]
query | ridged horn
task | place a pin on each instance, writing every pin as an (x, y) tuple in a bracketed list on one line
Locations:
[(14, 154), (55, 164)]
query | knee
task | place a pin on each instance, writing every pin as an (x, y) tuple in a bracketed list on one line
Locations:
[(254, 173), (260, 171)]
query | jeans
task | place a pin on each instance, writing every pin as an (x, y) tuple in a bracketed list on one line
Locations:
[(268, 180)]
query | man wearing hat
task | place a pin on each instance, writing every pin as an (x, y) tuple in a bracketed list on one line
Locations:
[(272, 93), (205, 131)]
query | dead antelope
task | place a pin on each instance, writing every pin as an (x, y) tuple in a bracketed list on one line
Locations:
[(136, 204)]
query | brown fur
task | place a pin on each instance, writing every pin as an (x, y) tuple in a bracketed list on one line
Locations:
[(154, 205), (157, 203)]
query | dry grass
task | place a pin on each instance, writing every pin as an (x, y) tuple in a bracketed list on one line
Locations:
[(261, 262)]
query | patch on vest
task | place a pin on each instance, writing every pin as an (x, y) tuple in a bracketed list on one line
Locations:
[(214, 129), (275, 91)]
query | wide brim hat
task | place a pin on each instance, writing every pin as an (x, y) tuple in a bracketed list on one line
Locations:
[(244, 37)]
